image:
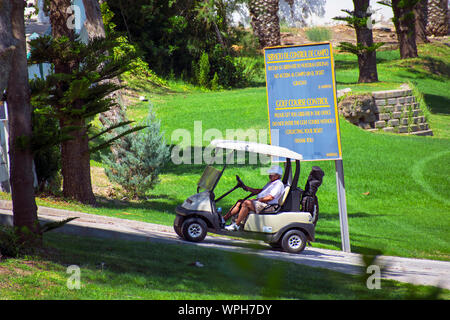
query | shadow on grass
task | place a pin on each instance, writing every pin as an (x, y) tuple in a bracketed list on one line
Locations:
[(437, 104), (320, 234), (166, 204), (334, 216), (168, 270)]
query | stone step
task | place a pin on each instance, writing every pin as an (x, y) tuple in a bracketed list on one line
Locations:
[(388, 94), (422, 133), (397, 107)]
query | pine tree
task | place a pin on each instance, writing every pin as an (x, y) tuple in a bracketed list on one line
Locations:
[(365, 48), (74, 99), (404, 21), (136, 159)]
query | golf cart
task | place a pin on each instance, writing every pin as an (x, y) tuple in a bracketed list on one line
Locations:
[(288, 225)]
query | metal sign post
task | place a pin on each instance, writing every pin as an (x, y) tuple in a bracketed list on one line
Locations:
[(345, 238), (302, 107)]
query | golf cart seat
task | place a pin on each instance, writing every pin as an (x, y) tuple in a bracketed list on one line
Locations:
[(274, 208)]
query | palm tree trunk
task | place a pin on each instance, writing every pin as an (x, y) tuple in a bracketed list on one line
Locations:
[(265, 22), (437, 18)]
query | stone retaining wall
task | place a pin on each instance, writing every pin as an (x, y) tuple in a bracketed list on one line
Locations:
[(398, 111), (394, 111)]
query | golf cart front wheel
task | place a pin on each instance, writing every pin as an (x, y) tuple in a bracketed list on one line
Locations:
[(294, 241), (194, 229), (177, 226)]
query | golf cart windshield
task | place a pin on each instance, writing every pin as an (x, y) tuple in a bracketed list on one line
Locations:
[(209, 178)]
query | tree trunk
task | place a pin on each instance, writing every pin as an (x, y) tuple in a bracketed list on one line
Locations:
[(404, 23), (20, 132), (94, 21), (95, 29), (265, 22), (7, 43), (437, 18), (59, 19), (421, 14), (75, 165), (367, 59)]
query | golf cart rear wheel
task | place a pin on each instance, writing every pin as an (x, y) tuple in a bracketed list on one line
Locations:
[(194, 229), (294, 241)]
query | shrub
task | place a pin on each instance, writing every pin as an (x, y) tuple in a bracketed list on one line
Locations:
[(203, 70), (229, 71), (10, 245), (135, 160), (318, 34), (215, 82), (219, 70)]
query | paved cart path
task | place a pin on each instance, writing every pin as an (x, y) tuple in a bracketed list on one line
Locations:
[(415, 271)]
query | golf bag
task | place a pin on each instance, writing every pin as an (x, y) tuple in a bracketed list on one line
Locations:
[(309, 199)]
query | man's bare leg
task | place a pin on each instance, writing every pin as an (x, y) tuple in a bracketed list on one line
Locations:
[(246, 207), (234, 210)]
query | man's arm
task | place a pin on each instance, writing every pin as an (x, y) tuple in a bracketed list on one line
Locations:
[(253, 191), (267, 198)]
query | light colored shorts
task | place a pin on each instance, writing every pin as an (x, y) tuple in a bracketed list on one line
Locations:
[(260, 206)]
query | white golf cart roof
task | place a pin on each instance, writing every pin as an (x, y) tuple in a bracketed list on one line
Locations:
[(257, 148)]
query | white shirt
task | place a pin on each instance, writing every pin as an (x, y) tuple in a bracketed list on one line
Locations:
[(275, 189)]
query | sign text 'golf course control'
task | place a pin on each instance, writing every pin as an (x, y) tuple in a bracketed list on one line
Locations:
[(302, 100)]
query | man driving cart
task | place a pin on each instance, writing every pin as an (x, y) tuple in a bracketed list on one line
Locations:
[(266, 199)]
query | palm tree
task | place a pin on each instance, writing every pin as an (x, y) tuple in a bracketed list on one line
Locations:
[(437, 17), (265, 21), (365, 48)]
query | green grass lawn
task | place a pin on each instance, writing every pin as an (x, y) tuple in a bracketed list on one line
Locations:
[(136, 270), (397, 186)]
